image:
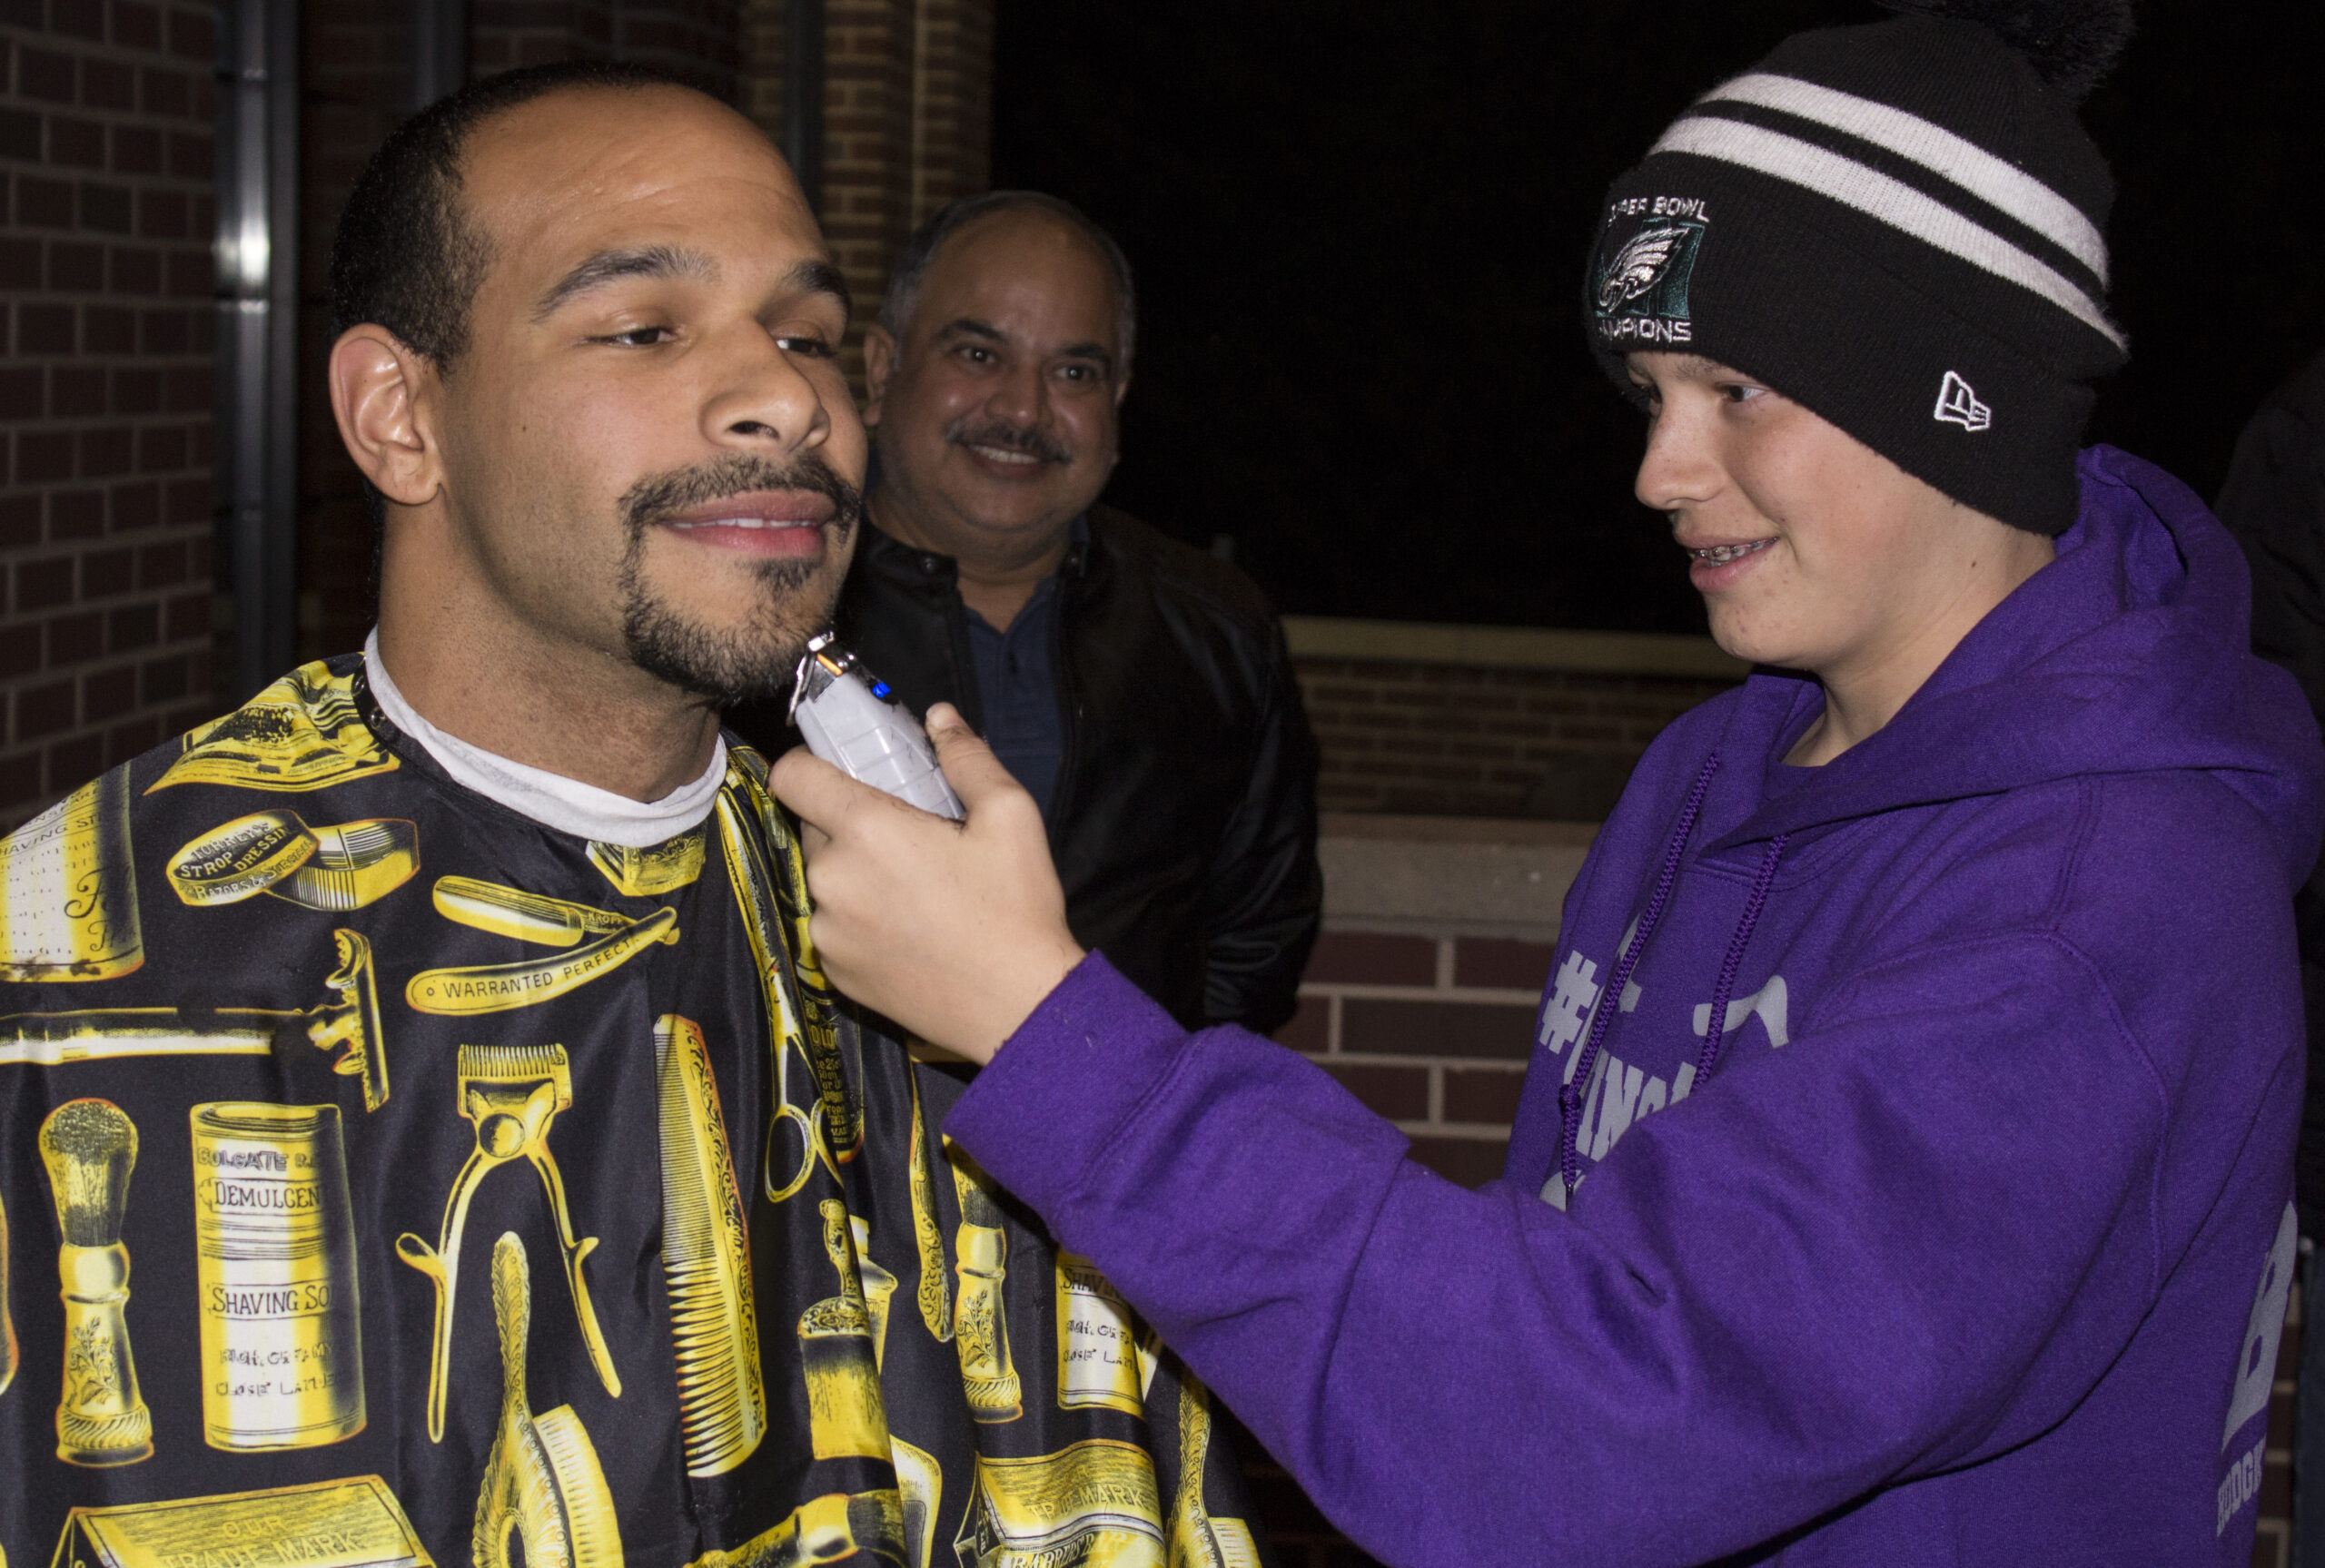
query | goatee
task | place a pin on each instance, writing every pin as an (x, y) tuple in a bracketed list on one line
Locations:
[(754, 660)]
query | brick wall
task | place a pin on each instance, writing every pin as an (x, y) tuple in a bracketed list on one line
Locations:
[(907, 127), (106, 323), (1431, 1032), (1416, 719)]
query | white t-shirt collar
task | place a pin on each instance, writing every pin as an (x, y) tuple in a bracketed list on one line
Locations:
[(551, 799)]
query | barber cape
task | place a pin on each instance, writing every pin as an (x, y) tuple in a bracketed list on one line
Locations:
[(391, 1178)]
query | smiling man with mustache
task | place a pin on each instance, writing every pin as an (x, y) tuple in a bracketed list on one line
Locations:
[(540, 1193), (1140, 689)]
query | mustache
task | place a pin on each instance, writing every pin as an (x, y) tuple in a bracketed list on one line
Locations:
[(658, 496), (1032, 442)]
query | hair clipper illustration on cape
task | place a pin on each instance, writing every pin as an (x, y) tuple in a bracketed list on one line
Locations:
[(512, 1094)]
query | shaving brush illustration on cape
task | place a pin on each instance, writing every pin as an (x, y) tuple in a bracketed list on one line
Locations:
[(90, 1147)]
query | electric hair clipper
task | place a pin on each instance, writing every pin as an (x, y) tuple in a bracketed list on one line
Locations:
[(853, 721)]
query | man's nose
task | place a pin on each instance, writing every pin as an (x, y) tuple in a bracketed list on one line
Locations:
[(1020, 394), (762, 396)]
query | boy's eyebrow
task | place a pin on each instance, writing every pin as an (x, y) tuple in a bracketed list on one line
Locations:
[(608, 266)]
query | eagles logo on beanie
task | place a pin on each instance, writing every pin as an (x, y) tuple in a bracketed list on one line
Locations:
[(1898, 225)]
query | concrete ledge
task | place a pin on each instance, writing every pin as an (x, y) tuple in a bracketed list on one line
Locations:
[(1512, 648), (1449, 876)]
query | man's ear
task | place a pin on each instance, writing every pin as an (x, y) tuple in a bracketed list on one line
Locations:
[(879, 365), (378, 390)]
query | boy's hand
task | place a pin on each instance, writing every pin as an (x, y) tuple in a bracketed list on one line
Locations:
[(957, 932)]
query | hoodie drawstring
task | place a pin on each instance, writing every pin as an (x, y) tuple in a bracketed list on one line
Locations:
[(1717, 1027), (1571, 1092)]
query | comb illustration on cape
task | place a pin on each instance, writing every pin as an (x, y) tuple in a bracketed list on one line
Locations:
[(512, 1093), (706, 1256), (543, 1482)]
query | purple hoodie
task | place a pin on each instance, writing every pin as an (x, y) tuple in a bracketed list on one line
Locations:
[(1964, 1239)]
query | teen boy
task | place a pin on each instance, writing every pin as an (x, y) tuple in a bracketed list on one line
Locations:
[(1903, 1171)]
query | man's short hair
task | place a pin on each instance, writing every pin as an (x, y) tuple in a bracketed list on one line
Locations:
[(912, 263), (405, 255)]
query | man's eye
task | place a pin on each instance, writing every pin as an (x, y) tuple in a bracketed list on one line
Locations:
[(814, 348), (976, 356), (1737, 392), (638, 337)]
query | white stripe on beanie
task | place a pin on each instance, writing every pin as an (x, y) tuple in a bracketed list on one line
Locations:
[(1991, 180), (1886, 199)]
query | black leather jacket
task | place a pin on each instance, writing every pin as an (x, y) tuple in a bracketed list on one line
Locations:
[(1184, 819)]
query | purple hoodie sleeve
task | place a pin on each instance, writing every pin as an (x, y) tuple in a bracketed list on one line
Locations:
[(1795, 1289)]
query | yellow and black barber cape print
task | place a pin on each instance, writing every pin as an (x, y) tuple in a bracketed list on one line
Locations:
[(387, 1178)]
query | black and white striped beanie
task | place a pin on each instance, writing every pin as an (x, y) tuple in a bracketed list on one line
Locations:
[(1898, 225)]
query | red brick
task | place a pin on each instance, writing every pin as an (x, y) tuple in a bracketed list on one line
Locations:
[(1309, 1026), (161, 215), (1373, 958), (1465, 1162), (1435, 1028), (166, 680), (1481, 1094), (1495, 962), (137, 27), (161, 565), (105, 450), (192, 156), (107, 85), (44, 456), (19, 262), (193, 35), (136, 389), (106, 572), (78, 18), (20, 779), (73, 639), (108, 694), (1399, 1093), (136, 505), (124, 741), (165, 94), (41, 73), (75, 144), (188, 617), (43, 204), (74, 762), (108, 330), (19, 649), (78, 391), (133, 628), (46, 328), (161, 449), (19, 521), (20, 135), (44, 711), (76, 515), (21, 396)]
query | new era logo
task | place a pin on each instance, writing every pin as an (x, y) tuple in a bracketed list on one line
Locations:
[(1958, 405)]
